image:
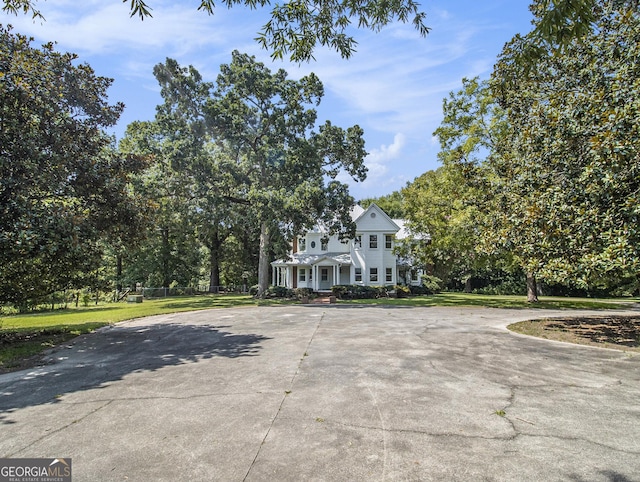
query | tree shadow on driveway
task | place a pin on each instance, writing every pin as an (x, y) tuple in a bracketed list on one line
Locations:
[(93, 360)]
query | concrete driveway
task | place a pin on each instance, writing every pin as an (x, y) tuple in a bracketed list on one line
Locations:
[(340, 393)]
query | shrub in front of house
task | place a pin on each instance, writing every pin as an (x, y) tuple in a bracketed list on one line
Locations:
[(402, 291), (300, 293), (430, 286), (278, 292), (358, 292)]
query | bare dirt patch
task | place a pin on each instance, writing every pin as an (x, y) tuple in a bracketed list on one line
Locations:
[(618, 332)]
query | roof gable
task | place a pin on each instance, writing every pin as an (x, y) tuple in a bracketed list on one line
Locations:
[(375, 219)]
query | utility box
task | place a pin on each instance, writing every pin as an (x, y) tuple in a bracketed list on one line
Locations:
[(134, 299)]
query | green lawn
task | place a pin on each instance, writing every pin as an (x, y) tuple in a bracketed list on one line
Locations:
[(22, 336), (495, 301), (113, 312)]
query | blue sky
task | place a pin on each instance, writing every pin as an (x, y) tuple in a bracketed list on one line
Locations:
[(392, 87)]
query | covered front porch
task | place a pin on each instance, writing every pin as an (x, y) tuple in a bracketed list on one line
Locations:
[(317, 273)]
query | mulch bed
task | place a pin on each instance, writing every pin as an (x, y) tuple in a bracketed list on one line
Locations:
[(621, 332)]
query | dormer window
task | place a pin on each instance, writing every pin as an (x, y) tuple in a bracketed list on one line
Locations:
[(324, 244), (302, 244)]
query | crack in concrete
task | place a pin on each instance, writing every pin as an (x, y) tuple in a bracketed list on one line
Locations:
[(287, 392), (509, 438), (60, 429), (384, 433), (412, 431)]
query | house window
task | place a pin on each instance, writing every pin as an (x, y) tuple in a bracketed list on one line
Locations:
[(357, 242), (373, 241), (389, 275), (414, 275), (358, 274), (324, 274), (388, 241), (373, 275), (302, 244), (303, 274), (324, 244), (313, 245)]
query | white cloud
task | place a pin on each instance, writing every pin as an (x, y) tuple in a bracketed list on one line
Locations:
[(378, 162), (104, 28), (386, 153), (394, 83)]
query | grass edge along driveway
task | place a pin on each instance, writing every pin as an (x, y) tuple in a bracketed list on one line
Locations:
[(24, 337)]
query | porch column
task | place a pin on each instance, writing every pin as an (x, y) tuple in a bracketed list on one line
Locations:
[(315, 277)]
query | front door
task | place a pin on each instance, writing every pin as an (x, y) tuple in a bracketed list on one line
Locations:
[(326, 278)]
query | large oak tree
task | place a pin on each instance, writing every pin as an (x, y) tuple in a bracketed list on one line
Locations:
[(287, 170)]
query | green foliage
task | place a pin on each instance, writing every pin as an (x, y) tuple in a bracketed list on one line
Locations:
[(392, 204), (278, 292), (284, 172), (355, 292), (450, 203), (432, 284), (563, 22), (402, 291), (86, 299), (297, 27), (188, 183), (567, 178), (63, 188), (300, 293)]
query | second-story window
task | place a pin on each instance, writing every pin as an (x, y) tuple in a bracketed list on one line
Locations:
[(324, 244), (373, 241), (357, 242), (302, 244), (388, 241)]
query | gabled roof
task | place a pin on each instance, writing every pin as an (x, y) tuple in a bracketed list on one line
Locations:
[(375, 219), (356, 212)]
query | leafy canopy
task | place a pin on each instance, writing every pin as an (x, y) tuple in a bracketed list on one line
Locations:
[(567, 176), (297, 27), (62, 186), (250, 138)]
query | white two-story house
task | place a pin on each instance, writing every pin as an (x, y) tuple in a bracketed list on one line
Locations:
[(318, 261)]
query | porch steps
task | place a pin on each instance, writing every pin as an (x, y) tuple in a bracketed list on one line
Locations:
[(321, 299)]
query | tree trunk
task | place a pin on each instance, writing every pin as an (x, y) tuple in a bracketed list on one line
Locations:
[(214, 263), (263, 260), (119, 273), (532, 288), (166, 254), (467, 285)]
